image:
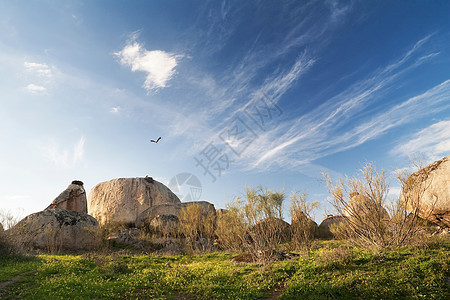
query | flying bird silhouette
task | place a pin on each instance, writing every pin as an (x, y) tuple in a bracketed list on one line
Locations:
[(156, 140)]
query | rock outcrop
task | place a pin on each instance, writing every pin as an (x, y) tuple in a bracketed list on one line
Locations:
[(431, 185), (56, 229), (73, 198), (324, 230), (122, 200), (175, 209)]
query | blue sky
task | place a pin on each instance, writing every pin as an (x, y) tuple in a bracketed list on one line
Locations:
[(269, 93)]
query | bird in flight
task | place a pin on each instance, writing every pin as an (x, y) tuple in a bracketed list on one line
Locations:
[(156, 140)]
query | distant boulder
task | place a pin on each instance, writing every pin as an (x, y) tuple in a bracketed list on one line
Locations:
[(325, 226), (431, 185), (72, 198), (172, 209), (56, 229), (301, 224), (274, 228), (363, 207), (122, 200)]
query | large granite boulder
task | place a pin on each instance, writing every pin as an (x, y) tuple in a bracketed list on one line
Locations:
[(324, 230), (56, 229), (175, 209), (72, 198), (122, 200), (431, 185)]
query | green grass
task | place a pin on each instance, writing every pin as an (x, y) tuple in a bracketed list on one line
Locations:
[(328, 272)]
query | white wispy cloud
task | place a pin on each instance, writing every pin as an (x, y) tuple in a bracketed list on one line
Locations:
[(63, 157), (40, 74), (158, 65), (115, 109), (320, 132), (39, 69), (433, 142), (35, 89)]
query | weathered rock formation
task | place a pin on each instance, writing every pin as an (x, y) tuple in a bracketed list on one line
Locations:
[(172, 209), (324, 230), (72, 198), (122, 200), (431, 185), (56, 229), (1, 228)]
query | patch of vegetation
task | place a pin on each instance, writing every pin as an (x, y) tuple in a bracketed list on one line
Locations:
[(329, 269)]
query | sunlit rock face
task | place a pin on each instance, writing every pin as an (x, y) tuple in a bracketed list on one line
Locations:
[(431, 187), (73, 198), (122, 200)]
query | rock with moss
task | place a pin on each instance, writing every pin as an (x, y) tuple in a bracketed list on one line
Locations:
[(122, 200), (57, 229), (431, 187)]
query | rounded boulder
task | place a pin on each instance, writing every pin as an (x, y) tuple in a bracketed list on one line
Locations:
[(122, 200), (57, 229)]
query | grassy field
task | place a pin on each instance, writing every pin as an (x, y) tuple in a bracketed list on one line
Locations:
[(328, 271)]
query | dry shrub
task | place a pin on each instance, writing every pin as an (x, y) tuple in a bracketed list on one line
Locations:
[(197, 229), (231, 230), (366, 222), (255, 224), (302, 226), (8, 219)]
